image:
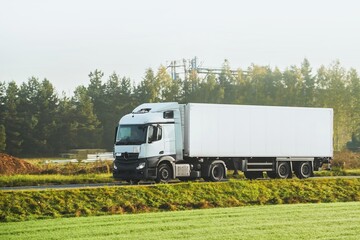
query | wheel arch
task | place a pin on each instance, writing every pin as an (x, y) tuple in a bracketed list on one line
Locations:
[(169, 161)]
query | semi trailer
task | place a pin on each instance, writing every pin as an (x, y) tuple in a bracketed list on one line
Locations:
[(165, 141)]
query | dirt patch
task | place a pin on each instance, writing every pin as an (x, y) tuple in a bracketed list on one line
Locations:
[(10, 165)]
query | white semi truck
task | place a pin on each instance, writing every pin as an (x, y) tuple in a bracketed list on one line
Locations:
[(164, 141)]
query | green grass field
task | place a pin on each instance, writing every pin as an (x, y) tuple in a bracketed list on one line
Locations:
[(298, 221)]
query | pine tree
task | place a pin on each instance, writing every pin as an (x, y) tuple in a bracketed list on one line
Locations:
[(308, 90), (170, 89), (13, 122), (149, 88), (353, 88), (85, 122)]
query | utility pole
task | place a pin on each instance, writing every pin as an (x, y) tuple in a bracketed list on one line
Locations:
[(192, 65)]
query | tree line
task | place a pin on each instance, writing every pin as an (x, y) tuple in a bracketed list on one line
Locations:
[(35, 120)]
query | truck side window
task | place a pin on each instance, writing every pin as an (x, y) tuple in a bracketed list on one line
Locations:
[(155, 133), (168, 114)]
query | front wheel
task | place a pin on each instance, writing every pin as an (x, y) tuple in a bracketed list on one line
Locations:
[(163, 174)]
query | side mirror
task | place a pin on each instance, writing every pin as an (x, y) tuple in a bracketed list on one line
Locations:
[(151, 134), (155, 133), (116, 130)]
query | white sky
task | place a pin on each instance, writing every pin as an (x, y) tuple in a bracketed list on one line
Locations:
[(64, 40)]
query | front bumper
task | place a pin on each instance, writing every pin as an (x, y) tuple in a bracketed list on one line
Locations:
[(126, 170)]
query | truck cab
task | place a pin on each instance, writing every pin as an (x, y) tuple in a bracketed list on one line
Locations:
[(148, 142)]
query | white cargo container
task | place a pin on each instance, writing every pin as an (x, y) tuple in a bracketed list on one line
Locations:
[(163, 141), (257, 131)]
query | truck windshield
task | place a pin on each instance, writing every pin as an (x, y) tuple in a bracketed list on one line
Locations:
[(131, 135)]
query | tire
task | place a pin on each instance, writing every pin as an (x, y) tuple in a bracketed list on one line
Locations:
[(303, 170), (164, 173), (253, 175), (283, 170), (217, 172), (271, 174)]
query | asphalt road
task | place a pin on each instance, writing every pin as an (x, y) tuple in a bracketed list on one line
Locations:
[(96, 185)]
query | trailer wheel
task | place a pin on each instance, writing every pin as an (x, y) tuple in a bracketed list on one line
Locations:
[(163, 174), (217, 172), (253, 175), (283, 170), (303, 170)]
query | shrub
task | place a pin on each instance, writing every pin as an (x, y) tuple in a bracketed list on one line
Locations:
[(346, 160), (23, 205)]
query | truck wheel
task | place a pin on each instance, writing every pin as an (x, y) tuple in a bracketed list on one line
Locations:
[(283, 170), (303, 170), (253, 175), (163, 174), (217, 172)]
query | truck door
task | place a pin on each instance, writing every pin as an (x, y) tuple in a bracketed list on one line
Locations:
[(169, 139), (155, 141)]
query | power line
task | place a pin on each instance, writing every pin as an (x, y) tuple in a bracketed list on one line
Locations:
[(191, 65)]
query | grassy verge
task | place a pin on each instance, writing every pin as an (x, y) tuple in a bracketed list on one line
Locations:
[(58, 179), (25, 205), (53, 179), (338, 172), (300, 221)]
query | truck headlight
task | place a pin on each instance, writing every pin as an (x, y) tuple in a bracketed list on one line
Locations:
[(141, 166)]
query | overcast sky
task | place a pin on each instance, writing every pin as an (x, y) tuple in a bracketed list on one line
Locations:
[(64, 40)]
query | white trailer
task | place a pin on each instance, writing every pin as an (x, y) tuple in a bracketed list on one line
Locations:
[(204, 140)]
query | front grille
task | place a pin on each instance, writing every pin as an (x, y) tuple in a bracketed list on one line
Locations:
[(128, 156)]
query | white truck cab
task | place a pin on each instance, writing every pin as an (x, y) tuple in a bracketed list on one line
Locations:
[(148, 137)]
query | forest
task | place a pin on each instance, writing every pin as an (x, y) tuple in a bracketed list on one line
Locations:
[(35, 120)]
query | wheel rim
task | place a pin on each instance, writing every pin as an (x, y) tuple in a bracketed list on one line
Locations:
[(217, 172), (164, 174), (283, 170), (305, 170)]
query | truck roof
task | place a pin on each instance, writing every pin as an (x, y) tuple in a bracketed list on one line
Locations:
[(155, 107)]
